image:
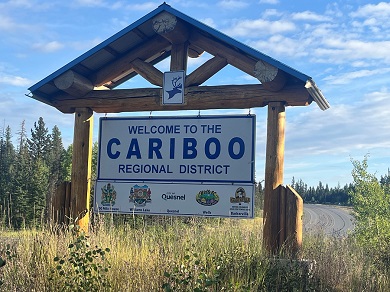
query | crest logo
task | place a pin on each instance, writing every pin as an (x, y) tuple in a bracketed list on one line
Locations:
[(207, 198), (140, 195), (240, 197), (108, 195)]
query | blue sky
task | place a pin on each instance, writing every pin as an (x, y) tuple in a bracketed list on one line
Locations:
[(343, 45)]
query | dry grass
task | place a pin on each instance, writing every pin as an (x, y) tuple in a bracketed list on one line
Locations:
[(142, 250)]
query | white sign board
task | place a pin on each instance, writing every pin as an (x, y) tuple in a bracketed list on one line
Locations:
[(173, 87), (209, 200), (201, 165), (177, 149)]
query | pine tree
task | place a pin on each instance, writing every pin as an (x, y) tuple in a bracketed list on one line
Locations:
[(385, 181), (7, 157), (39, 144), (55, 165), (259, 198), (19, 208), (67, 163), (38, 189)]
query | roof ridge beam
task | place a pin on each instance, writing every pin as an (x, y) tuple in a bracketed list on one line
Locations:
[(171, 28)]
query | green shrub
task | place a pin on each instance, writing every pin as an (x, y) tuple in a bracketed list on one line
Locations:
[(191, 275), (371, 204), (84, 267)]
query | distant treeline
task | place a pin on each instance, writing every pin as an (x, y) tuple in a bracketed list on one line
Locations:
[(323, 194), (31, 170)]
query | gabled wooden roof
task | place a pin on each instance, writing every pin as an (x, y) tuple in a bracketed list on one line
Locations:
[(166, 32)]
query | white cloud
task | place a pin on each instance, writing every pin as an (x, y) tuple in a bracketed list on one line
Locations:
[(341, 129), (279, 45), (209, 21), (145, 6), (347, 77), (333, 10), (344, 128), (91, 3), (14, 80), (232, 4), (380, 10), (48, 47), (271, 13), (343, 50), (85, 44), (269, 1), (378, 96), (27, 4), (259, 27), (6, 23), (374, 17), (99, 3), (321, 31), (9, 25), (310, 16)]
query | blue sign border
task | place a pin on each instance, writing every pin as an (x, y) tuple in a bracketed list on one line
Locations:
[(253, 120)]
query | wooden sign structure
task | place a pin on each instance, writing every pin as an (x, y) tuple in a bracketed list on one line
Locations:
[(165, 32)]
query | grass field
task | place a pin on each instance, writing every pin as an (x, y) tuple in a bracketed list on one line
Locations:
[(180, 254)]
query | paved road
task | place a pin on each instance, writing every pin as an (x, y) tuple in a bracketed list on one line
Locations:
[(331, 220)]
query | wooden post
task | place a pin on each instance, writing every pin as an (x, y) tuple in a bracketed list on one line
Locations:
[(68, 191), (58, 203), (81, 167), (282, 193), (274, 164), (294, 221), (179, 55)]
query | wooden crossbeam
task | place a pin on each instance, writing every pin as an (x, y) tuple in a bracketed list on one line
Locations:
[(197, 98), (148, 71), (152, 47), (205, 71)]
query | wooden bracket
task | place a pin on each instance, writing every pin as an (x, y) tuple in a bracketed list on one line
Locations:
[(148, 71), (205, 71), (148, 50)]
